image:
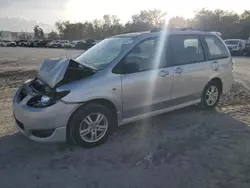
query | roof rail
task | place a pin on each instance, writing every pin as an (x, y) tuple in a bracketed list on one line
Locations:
[(173, 29), (183, 29)]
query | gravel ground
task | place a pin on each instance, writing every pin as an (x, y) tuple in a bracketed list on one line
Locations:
[(186, 148)]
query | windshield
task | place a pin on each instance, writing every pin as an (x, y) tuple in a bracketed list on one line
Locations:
[(100, 55), (232, 42)]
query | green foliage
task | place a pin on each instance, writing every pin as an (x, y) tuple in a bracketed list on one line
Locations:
[(53, 35), (230, 24), (38, 32)]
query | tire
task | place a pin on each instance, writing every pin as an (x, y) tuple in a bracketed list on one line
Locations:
[(80, 122), (212, 103), (22, 45)]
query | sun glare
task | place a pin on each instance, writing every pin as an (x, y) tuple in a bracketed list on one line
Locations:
[(74, 8)]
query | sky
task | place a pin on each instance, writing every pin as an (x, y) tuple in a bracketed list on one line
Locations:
[(50, 11)]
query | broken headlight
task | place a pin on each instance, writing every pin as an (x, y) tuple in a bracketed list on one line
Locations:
[(41, 101)]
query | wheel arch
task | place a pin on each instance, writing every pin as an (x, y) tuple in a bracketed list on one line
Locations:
[(105, 102), (219, 82)]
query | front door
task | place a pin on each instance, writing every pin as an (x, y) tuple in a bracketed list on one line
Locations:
[(140, 84)]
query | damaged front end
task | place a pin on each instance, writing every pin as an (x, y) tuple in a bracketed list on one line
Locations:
[(53, 74)]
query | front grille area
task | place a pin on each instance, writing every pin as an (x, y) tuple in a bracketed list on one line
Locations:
[(20, 125), (42, 133), (33, 88)]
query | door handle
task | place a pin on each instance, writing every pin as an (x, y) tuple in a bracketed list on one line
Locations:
[(178, 70), (163, 73)]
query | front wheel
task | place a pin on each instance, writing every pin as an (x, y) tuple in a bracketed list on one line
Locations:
[(210, 95), (91, 125)]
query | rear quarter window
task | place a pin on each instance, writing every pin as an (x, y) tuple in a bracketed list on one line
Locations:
[(216, 49)]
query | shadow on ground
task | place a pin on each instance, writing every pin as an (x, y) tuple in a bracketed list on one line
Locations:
[(185, 148)]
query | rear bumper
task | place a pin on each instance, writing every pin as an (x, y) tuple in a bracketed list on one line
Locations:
[(227, 83)]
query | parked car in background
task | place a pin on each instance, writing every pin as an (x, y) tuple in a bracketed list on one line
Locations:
[(66, 44), (74, 42), (51, 43), (21, 42), (7, 43), (3, 43), (44, 42), (36, 43), (59, 44), (85, 44), (55, 44), (120, 80), (248, 47), (236, 46), (29, 43), (79, 44)]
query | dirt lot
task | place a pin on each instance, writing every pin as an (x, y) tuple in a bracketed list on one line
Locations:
[(186, 148)]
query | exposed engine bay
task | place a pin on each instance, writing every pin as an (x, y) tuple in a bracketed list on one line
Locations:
[(53, 74)]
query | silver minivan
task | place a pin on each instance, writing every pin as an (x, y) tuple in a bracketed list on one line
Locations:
[(122, 79)]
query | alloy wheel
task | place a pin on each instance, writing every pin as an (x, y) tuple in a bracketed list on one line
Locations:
[(93, 127), (212, 95)]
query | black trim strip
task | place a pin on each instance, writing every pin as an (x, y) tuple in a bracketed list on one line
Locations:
[(160, 106)]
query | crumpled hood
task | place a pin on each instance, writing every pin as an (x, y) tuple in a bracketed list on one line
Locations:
[(54, 72)]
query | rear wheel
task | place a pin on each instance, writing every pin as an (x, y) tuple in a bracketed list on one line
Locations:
[(210, 95), (91, 125)]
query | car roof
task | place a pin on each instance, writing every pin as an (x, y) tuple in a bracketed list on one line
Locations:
[(131, 35), (168, 32), (233, 39)]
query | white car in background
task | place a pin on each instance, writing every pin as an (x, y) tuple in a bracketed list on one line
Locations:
[(236, 46), (60, 44), (5, 43), (66, 44), (52, 43), (74, 42)]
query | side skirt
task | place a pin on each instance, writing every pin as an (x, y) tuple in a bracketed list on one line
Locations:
[(158, 112)]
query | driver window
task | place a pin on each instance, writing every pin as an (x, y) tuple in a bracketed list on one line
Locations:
[(140, 58)]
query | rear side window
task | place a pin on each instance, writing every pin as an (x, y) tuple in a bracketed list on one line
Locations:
[(216, 49), (185, 49)]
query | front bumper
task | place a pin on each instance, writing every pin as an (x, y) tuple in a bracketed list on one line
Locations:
[(51, 120)]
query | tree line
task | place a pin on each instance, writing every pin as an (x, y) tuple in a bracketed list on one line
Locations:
[(230, 24)]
